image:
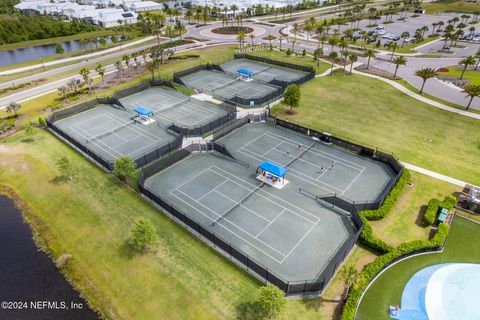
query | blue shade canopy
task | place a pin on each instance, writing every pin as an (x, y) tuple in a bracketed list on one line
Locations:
[(273, 168), (143, 111), (245, 71)]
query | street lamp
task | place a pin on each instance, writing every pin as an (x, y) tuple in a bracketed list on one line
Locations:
[(43, 66)]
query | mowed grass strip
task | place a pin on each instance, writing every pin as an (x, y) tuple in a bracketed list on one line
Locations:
[(91, 217), (456, 71), (462, 246), (371, 112)]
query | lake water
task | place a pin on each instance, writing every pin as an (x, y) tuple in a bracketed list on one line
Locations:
[(30, 276), (9, 57)]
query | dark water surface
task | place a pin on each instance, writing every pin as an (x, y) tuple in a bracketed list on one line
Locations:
[(29, 278)]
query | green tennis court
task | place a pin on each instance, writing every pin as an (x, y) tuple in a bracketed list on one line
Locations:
[(291, 234), (170, 106), (262, 71)]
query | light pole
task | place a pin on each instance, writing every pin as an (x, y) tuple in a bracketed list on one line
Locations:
[(43, 66)]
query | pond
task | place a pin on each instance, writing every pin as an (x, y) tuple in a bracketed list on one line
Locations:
[(29, 278), (14, 56)]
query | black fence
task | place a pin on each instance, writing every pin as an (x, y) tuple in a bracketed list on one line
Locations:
[(140, 160), (237, 123), (203, 129), (226, 249)]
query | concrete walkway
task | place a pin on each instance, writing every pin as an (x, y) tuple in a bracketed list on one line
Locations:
[(436, 175)]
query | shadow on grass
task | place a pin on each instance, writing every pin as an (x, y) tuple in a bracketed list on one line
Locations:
[(316, 304), (249, 311), (27, 140), (127, 251), (421, 213), (60, 180)]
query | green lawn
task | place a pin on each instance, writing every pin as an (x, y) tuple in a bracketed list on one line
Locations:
[(404, 223), (372, 112), (470, 74), (90, 219), (305, 61), (460, 6), (462, 246)]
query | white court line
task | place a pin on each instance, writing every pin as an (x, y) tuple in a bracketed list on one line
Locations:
[(240, 228), (268, 225), (353, 181), (95, 143), (212, 190), (274, 148), (299, 241), (141, 131), (325, 154)]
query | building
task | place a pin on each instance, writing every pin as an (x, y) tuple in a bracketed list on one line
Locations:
[(111, 19), (145, 6)]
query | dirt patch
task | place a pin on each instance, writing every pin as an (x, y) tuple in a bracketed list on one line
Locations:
[(375, 71)]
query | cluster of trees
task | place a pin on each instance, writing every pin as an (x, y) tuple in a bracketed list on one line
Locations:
[(21, 27)]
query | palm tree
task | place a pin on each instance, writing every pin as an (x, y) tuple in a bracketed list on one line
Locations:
[(309, 27), (296, 29), (270, 38), (101, 71), (85, 73), (333, 41), (332, 55), (126, 60), (393, 46), (369, 53), (404, 35), (468, 61), (280, 39), (119, 67), (251, 36), (353, 58), (425, 74), (477, 55), (350, 277), (13, 107), (399, 61), (151, 66), (241, 38), (317, 54), (345, 54), (472, 91)]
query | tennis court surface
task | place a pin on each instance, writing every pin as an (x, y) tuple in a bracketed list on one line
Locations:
[(262, 71), (170, 106), (111, 133), (289, 233)]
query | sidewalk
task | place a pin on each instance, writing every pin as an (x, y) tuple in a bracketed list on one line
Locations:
[(436, 175)]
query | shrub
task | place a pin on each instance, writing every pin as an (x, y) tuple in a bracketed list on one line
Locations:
[(142, 235), (431, 212), (184, 56), (42, 122), (272, 301)]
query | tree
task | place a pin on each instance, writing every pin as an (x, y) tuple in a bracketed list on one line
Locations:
[(425, 74), (369, 53), (272, 301), (332, 55), (85, 73), (151, 66), (468, 61), (472, 91), (350, 277), (59, 49), (29, 131), (42, 122), (13, 107), (143, 235), (477, 56), (64, 167), (63, 92), (252, 37), (399, 61), (101, 71), (353, 58), (392, 45), (270, 38), (317, 54), (404, 35), (292, 96), (333, 41), (241, 38), (124, 168)]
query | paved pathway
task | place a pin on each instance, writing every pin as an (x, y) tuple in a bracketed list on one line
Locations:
[(436, 175)]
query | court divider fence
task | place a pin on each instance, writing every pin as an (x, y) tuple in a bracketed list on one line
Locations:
[(261, 272)]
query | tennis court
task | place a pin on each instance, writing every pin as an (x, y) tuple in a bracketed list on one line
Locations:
[(262, 71), (287, 232), (226, 86), (111, 133), (170, 106)]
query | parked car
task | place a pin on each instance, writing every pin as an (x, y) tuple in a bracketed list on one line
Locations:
[(446, 48), (380, 27)]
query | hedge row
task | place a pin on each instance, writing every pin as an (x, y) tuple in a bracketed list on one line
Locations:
[(433, 205), (381, 262), (367, 237)]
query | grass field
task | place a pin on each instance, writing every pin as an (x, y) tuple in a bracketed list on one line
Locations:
[(305, 61), (460, 6), (470, 74), (405, 222), (373, 113), (387, 290)]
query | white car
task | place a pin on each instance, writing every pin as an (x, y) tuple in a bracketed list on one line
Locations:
[(408, 39), (380, 27)]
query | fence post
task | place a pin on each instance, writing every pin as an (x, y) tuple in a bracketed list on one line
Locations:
[(334, 200)]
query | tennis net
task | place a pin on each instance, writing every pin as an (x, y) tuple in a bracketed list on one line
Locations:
[(176, 104), (262, 70), (237, 204), (225, 85), (301, 154), (109, 132)]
